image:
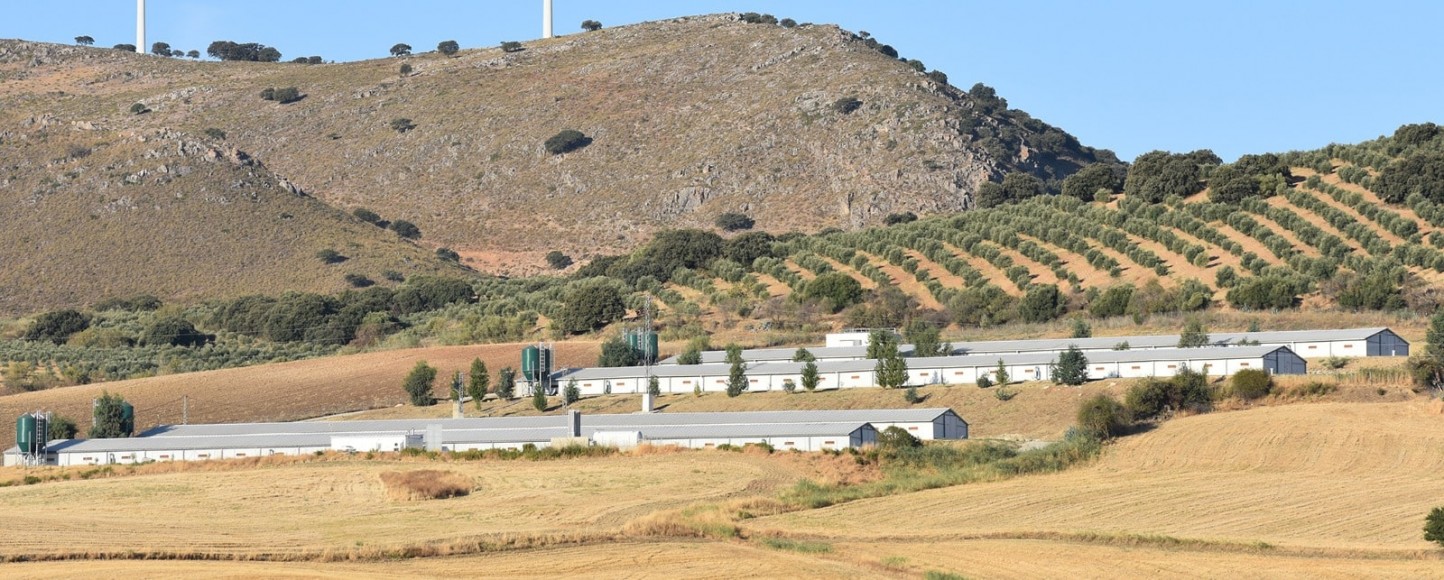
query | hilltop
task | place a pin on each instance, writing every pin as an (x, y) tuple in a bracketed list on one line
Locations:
[(800, 128)]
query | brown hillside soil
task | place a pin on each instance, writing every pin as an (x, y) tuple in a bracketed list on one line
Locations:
[(906, 282), (1351, 212), (1041, 274), (1179, 268), (775, 287), (1403, 210), (1293, 240), (989, 271), (1252, 244), (1299, 476), (285, 391), (867, 283), (938, 272), (1075, 263), (804, 272), (1318, 221)]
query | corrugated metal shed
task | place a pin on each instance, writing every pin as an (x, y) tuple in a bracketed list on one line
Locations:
[(1103, 343)]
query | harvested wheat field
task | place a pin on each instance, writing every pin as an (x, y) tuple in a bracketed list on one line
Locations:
[(341, 508), (1338, 478), (623, 559)]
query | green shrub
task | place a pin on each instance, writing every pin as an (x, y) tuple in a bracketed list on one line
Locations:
[(174, 331), (419, 383), (911, 396), (1102, 417), (894, 438), (984, 381), (215, 133), (511, 46), (846, 105), (56, 326), (402, 124), (330, 256), (139, 109), (1434, 526), (566, 141), (405, 229), (558, 260), (837, 289), (732, 221), (1250, 384), (448, 47)]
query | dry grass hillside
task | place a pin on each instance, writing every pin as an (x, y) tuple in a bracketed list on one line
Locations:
[(94, 212), (689, 118)]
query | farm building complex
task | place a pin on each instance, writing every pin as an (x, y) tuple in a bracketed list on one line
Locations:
[(953, 370), (1354, 342), (800, 430)]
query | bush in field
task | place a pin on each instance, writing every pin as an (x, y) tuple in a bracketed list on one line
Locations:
[(405, 229), (1102, 417), (846, 105), (566, 141), (747, 248), (1041, 303), (895, 438), (448, 47), (558, 260), (478, 379), (837, 289), (419, 383), (1264, 293), (1250, 384), (174, 331), (56, 326), (591, 307), (617, 353), (1151, 398), (1195, 335), (1434, 526), (1016, 187), (733, 221)]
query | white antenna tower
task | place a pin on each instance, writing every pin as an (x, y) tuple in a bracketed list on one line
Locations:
[(546, 18), (140, 26)]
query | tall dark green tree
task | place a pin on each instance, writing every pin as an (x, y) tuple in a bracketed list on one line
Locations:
[(809, 376), (734, 354), (1434, 526), (1435, 337), (539, 398), (803, 355), (736, 377), (478, 379), (1071, 367), (419, 384), (617, 353), (56, 326), (891, 370), (506, 383), (880, 343), (110, 421), (400, 49), (448, 47)]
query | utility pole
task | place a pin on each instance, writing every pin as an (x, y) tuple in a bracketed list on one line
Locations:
[(185, 408)]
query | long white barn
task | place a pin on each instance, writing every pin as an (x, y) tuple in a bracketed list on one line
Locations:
[(772, 376), (784, 430), (1355, 342)]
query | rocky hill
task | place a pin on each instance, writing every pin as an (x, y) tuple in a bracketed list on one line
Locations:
[(687, 119)]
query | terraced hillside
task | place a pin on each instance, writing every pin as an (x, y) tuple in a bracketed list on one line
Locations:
[(1322, 238)]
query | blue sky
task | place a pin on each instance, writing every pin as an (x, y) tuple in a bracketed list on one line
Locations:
[(1235, 76)]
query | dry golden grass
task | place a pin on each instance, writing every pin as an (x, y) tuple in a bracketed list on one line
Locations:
[(623, 558), (425, 484), (337, 510), (1330, 476)]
